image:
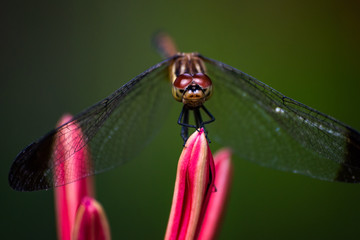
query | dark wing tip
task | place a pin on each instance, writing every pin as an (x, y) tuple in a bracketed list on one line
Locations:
[(30, 169), (350, 169)]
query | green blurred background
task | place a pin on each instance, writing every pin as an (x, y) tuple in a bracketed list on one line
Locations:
[(63, 57)]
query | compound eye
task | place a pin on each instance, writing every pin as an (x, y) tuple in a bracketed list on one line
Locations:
[(202, 80), (182, 81)]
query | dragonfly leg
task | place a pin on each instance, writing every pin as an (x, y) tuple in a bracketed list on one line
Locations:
[(184, 122), (184, 129), (198, 118), (199, 121), (212, 118)]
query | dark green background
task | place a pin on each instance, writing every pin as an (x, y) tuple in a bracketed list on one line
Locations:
[(63, 57)]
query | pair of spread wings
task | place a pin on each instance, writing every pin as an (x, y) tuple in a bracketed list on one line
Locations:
[(257, 122)]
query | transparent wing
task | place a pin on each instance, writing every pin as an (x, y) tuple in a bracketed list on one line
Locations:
[(266, 127), (114, 131)]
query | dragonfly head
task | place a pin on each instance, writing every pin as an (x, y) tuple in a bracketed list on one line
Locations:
[(192, 90)]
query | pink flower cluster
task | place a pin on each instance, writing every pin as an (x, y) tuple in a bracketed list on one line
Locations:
[(201, 189)]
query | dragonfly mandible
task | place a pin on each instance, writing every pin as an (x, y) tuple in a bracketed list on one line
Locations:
[(259, 123)]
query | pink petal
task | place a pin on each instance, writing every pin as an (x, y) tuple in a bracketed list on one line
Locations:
[(68, 197), (217, 203), (91, 222)]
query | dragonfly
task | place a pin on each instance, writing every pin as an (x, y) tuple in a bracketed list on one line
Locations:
[(259, 123)]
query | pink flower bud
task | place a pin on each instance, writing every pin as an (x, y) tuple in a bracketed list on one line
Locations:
[(91, 222), (193, 187), (68, 197)]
